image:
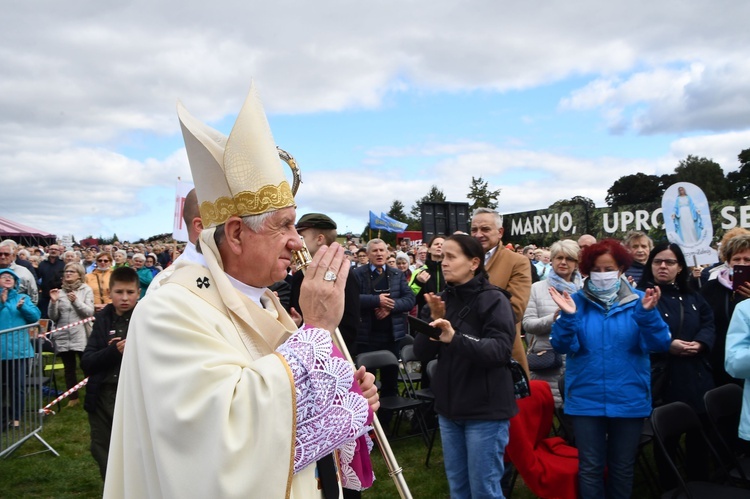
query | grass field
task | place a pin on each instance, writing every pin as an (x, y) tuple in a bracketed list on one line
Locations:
[(74, 474)]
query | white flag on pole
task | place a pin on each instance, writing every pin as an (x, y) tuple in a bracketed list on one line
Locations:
[(180, 232)]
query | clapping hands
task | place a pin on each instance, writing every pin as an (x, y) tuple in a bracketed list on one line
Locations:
[(651, 298), (436, 304), (564, 301)]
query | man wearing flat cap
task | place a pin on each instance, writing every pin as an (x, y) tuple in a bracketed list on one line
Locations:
[(319, 230), (221, 394)]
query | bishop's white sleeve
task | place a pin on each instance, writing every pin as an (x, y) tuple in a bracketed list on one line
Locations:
[(328, 414)]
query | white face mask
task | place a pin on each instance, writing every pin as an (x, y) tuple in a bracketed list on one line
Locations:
[(604, 280)]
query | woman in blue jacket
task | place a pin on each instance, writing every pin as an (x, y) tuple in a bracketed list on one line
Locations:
[(607, 330), (16, 309), (738, 360)]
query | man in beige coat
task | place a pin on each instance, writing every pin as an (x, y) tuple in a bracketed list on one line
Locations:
[(506, 269)]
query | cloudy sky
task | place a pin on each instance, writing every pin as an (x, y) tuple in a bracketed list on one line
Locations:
[(376, 100)]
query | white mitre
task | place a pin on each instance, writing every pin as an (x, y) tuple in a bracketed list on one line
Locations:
[(237, 175)]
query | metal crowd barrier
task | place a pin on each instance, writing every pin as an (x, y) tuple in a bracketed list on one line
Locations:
[(21, 384)]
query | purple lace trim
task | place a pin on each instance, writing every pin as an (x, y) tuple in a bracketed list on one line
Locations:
[(328, 414)]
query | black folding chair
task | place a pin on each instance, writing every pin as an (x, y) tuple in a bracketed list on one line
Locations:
[(724, 405), (426, 393), (671, 422), (384, 359), (415, 378), (411, 379), (642, 461), (406, 340), (428, 396)]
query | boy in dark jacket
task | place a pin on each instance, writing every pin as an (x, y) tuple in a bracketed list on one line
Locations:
[(103, 356)]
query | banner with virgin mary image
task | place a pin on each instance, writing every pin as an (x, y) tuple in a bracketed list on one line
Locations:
[(687, 221)]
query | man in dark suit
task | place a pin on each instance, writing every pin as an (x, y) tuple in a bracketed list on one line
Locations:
[(385, 299)]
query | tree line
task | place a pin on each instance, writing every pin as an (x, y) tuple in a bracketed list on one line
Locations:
[(632, 189), (703, 172)]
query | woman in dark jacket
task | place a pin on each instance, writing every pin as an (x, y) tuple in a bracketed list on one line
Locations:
[(722, 299), (684, 373), (473, 386)]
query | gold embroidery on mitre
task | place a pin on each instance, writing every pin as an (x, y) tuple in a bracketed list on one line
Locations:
[(242, 204)]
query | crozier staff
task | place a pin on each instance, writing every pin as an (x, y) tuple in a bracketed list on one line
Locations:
[(221, 395)]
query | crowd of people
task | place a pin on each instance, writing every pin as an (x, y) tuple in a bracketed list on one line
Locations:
[(677, 316), (663, 341), (214, 371)]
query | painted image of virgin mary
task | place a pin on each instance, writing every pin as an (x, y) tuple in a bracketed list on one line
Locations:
[(687, 219)]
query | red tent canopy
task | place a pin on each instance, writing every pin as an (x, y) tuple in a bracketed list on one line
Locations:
[(25, 235)]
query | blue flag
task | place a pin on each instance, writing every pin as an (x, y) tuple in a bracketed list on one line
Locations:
[(393, 224), (378, 223)]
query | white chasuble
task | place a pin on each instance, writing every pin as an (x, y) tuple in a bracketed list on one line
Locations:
[(204, 408)]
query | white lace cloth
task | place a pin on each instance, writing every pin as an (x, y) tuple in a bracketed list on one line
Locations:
[(328, 414), (349, 477)]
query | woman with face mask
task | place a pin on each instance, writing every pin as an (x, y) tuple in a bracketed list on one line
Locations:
[(607, 330)]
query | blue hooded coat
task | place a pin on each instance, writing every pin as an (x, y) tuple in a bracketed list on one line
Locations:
[(608, 371), (16, 345)]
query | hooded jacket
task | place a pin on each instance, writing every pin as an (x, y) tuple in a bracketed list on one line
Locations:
[(608, 372), (473, 380), (16, 345), (738, 359)]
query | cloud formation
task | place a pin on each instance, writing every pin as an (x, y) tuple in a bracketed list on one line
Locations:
[(81, 80), (663, 100)]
